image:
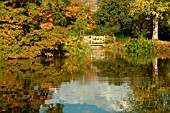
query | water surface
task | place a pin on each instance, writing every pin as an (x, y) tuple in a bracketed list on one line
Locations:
[(101, 83)]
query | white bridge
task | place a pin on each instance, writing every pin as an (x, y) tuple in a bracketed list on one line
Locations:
[(94, 40)]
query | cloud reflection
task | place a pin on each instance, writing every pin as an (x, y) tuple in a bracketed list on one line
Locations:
[(100, 94)]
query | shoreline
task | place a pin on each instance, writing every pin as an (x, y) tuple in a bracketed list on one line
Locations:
[(163, 48)]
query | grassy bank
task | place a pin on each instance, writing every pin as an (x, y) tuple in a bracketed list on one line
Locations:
[(137, 45)]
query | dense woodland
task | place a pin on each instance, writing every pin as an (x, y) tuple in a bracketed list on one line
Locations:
[(31, 28), (134, 18)]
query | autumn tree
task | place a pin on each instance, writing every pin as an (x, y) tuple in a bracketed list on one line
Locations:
[(79, 15), (31, 29)]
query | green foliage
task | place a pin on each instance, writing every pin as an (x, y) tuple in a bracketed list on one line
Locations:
[(112, 14), (116, 18), (140, 51), (164, 65), (132, 18), (76, 46), (109, 40), (140, 45), (124, 33), (164, 27), (43, 67), (138, 58), (145, 12), (118, 67), (101, 31)]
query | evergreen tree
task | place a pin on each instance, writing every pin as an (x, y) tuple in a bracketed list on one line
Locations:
[(113, 14)]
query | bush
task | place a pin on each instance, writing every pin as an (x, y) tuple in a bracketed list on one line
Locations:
[(140, 51), (140, 45)]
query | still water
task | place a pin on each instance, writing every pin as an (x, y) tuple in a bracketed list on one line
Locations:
[(101, 83)]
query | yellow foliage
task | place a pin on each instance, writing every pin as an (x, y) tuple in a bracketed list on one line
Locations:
[(72, 11), (149, 6), (82, 12), (168, 75)]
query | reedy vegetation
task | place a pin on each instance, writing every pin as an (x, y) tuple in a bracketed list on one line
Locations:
[(140, 51)]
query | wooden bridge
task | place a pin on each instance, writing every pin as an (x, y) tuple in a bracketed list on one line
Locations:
[(95, 40)]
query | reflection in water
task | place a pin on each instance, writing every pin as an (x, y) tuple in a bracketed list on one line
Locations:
[(95, 92), (104, 84)]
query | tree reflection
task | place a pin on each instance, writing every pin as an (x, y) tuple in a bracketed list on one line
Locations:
[(120, 67), (155, 79), (164, 66), (57, 109), (151, 92), (153, 95), (148, 98), (24, 84)]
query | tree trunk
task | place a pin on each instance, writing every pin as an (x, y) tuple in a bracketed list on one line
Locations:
[(155, 72), (155, 27)]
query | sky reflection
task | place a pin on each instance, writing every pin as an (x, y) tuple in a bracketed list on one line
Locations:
[(91, 97)]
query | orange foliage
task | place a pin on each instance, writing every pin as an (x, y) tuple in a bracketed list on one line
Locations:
[(42, 99), (47, 85), (46, 25), (77, 8), (73, 9), (6, 96), (91, 5)]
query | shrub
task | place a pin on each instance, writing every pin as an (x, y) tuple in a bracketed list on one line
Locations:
[(140, 45), (140, 51)]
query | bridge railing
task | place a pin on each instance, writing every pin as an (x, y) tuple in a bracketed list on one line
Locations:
[(94, 39)]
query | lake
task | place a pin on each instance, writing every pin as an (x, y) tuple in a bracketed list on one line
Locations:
[(104, 82)]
